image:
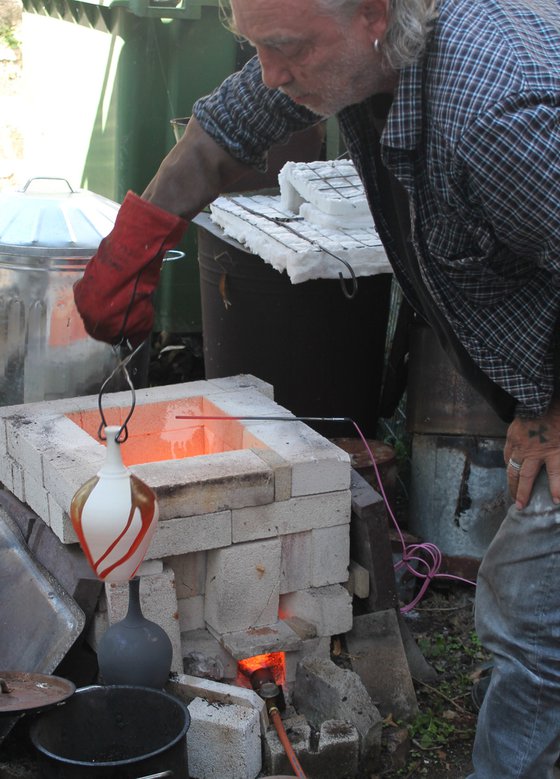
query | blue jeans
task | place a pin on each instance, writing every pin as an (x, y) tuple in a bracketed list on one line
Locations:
[(518, 620)]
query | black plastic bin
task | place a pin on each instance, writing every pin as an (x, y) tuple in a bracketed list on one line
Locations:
[(323, 353)]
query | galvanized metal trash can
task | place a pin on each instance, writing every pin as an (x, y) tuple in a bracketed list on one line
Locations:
[(48, 232)]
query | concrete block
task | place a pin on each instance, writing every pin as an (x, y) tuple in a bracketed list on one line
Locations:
[(328, 608), (323, 691), (377, 655), (334, 756), (223, 741), (185, 535), (190, 573), (158, 601), (331, 555), (319, 647), (291, 516), (191, 613), (338, 750), (242, 585), (296, 562), (275, 759), (203, 655)]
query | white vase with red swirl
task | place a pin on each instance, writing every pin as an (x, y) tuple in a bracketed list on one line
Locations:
[(114, 515)]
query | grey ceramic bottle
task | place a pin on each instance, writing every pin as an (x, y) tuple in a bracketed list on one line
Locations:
[(135, 650)]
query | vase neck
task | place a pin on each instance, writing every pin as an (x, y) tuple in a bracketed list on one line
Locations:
[(113, 465), (134, 613)]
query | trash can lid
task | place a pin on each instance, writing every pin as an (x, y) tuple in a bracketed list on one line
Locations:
[(49, 218)]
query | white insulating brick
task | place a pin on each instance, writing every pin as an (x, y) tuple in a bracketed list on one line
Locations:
[(191, 613), (18, 482), (243, 381), (358, 580), (60, 523), (242, 585), (325, 475), (279, 637), (190, 573), (158, 601), (190, 534), (188, 687), (328, 608), (206, 484), (7, 472), (3, 438), (322, 466), (291, 516), (331, 555), (223, 741), (150, 567), (36, 496), (282, 473), (317, 464), (26, 440), (55, 437), (297, 562), (63, 475)]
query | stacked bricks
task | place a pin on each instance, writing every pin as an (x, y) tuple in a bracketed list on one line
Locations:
[(252, 546)]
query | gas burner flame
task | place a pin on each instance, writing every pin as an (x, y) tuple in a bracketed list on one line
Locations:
[(275, 661)]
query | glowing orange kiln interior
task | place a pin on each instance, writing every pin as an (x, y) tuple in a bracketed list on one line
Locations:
[(155, 434)]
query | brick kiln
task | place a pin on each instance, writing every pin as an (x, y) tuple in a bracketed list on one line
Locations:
[(252, 546)]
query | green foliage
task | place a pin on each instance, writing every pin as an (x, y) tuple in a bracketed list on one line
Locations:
[(8, 37), (430, 731)]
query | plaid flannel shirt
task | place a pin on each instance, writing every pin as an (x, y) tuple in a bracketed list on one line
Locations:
[(473, 136)]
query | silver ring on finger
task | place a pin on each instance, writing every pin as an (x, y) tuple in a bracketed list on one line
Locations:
[(515, 466)]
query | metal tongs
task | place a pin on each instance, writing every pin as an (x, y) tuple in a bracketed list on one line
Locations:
[(122, 368)]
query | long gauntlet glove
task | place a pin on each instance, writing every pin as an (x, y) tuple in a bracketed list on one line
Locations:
[(115, 295)]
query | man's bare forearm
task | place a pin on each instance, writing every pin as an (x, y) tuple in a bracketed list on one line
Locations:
[(193, 174)]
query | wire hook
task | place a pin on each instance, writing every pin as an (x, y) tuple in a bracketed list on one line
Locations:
[(121, 367)]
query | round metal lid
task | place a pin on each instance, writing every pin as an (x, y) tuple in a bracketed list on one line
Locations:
[(21, 692), (49, 218)]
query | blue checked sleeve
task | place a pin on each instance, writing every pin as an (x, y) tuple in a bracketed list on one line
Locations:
[(246, 118)]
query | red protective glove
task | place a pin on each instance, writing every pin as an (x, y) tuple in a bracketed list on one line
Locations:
[(114, 296)]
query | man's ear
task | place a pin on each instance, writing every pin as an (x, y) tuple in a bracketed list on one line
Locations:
[(373, 16)]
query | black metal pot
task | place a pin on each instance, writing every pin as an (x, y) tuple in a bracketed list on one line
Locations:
[(113, 732)]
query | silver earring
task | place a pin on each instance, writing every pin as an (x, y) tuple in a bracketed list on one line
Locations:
[(377, 46)]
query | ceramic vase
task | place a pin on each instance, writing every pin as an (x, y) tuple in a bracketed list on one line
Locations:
[(135, 650), (114, 515)]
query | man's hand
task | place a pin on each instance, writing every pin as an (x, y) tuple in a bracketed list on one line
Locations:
[(532, 443)]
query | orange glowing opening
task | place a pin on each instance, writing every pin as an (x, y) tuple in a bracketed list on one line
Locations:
[(276, 661), (155, 434)]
